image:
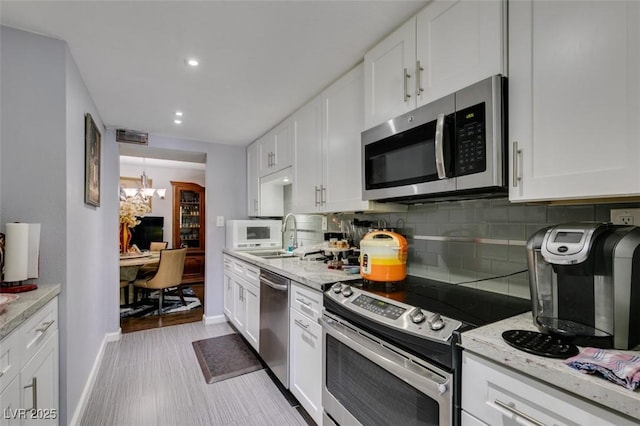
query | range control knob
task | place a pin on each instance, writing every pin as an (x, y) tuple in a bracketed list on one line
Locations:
[(346, 291), (337, 288), (436, 322), (416, 316)]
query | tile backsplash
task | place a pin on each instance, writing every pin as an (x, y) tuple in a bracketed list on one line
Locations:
[(477, 243)]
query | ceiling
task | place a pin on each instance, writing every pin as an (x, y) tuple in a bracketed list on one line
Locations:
[(259, 60)]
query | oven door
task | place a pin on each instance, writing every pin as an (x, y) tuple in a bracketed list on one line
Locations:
[(369, 382)]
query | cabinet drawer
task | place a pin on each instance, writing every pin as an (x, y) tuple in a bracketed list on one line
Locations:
[(500, 396), (11, 356), (37, 329), (247, 271), (306, 301)]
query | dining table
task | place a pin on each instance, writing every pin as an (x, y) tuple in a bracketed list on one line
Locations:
[(130, 263)]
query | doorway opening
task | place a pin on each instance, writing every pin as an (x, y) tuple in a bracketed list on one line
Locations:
[(176, 218)]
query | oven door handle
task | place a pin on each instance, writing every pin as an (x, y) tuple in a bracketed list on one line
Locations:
[(434, 384)]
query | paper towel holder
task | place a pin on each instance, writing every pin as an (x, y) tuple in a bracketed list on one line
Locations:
[(19, 257)]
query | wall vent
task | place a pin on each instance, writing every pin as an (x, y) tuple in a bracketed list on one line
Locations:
[(132, 136)]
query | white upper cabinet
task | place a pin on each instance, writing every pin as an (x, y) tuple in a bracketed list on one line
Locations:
[(459, 43), (275, 149), (574, 99), (388, 71), (447, 46), (327, 151), (253, 181)]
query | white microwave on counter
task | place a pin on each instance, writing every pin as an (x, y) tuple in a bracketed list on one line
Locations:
[(254, 234)]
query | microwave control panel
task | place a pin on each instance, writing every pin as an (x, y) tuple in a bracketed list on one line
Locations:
[(471, 146)]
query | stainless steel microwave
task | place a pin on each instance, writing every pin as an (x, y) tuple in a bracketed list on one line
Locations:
[(451, 148)]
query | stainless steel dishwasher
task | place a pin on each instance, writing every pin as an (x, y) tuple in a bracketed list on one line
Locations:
[(274, 324)]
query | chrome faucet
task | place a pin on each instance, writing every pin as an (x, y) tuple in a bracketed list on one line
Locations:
[(295, 228)]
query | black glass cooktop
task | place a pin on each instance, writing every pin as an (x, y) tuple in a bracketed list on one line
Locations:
[(471, 306)]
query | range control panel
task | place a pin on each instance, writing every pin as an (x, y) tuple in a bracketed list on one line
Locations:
[(471, 145), (393, 314)]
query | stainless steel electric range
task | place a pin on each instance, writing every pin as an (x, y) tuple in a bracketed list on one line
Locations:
[(390, 349)]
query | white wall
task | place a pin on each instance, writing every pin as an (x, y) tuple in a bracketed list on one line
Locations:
[(43, 105), (161, 177)]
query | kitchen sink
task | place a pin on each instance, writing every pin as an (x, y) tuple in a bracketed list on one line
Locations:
[(273, 254)]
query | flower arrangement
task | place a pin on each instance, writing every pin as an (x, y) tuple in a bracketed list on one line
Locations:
[(132, 208)]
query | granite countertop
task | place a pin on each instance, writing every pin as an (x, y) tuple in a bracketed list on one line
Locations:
[(487, 341), (26, 305), (311, 273)]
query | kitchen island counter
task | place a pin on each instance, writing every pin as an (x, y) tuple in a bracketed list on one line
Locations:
[(313, 274), (487, 342)]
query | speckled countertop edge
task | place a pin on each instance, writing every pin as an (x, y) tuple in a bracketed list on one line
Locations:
[(311, 273), (487, 342), (26, 305)]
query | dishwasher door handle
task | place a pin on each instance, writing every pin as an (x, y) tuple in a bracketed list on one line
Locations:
[(273, 285)]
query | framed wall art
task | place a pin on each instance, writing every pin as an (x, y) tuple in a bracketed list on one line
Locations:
[(92, 162)]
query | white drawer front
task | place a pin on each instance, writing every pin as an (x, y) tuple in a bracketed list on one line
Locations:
[(252, 274), (11, 357), (499, 396), (238, 267), (306, 301), (39, 327)]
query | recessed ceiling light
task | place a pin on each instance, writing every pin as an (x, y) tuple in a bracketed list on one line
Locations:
[(192, 62), (178, 113), (177, 121)]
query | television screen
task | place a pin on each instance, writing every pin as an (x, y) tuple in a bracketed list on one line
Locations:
[(151, 228)]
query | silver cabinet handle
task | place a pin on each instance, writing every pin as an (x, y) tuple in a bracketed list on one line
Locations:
[(511, 407), (323, 195), (442, 173), (317, 190), (34, 392), (405, 77), (306, 327), (419, 70), (45, 326), (303, 302), (516, 175)]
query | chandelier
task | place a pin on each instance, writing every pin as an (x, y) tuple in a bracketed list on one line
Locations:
[(143, 191)]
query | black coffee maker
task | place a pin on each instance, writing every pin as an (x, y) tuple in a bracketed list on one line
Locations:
[(585, 283)]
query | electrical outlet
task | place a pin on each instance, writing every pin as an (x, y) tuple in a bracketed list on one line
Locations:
[(219, 221), (625, 216)]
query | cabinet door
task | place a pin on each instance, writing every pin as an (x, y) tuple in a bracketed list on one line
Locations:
[(389, 76), (10, 404), (239, 304), (252, 296), (188, 215), (282, 142), (307, 183), (253, 181), (342, 125), (306, 363), (194, 265), (228, 296), (39, 381), (266, 152), (458, 43), (574, 79)]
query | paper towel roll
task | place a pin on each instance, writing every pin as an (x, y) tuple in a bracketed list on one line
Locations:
[(22, 245)]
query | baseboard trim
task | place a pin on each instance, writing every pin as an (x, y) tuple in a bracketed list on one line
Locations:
[(91, 380), (216, 319)]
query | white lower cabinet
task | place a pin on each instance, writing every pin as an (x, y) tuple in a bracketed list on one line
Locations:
[(305, 350), (498, 396), (29, 370), (242, 298)]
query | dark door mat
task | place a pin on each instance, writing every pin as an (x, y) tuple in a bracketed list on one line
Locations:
[(224, 357)]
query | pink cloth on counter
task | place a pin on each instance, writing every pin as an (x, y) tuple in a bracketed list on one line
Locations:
[(620, 368)]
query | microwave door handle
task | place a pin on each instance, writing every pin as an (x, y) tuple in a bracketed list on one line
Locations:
[(442, 173)]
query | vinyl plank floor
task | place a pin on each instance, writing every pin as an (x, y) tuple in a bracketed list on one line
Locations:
[(152, 377)]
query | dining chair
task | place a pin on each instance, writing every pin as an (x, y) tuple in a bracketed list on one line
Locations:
[(168, 274), (158, 245), (124, 284)]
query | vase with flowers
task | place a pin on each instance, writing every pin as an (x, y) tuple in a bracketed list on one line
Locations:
[(131, 210)]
